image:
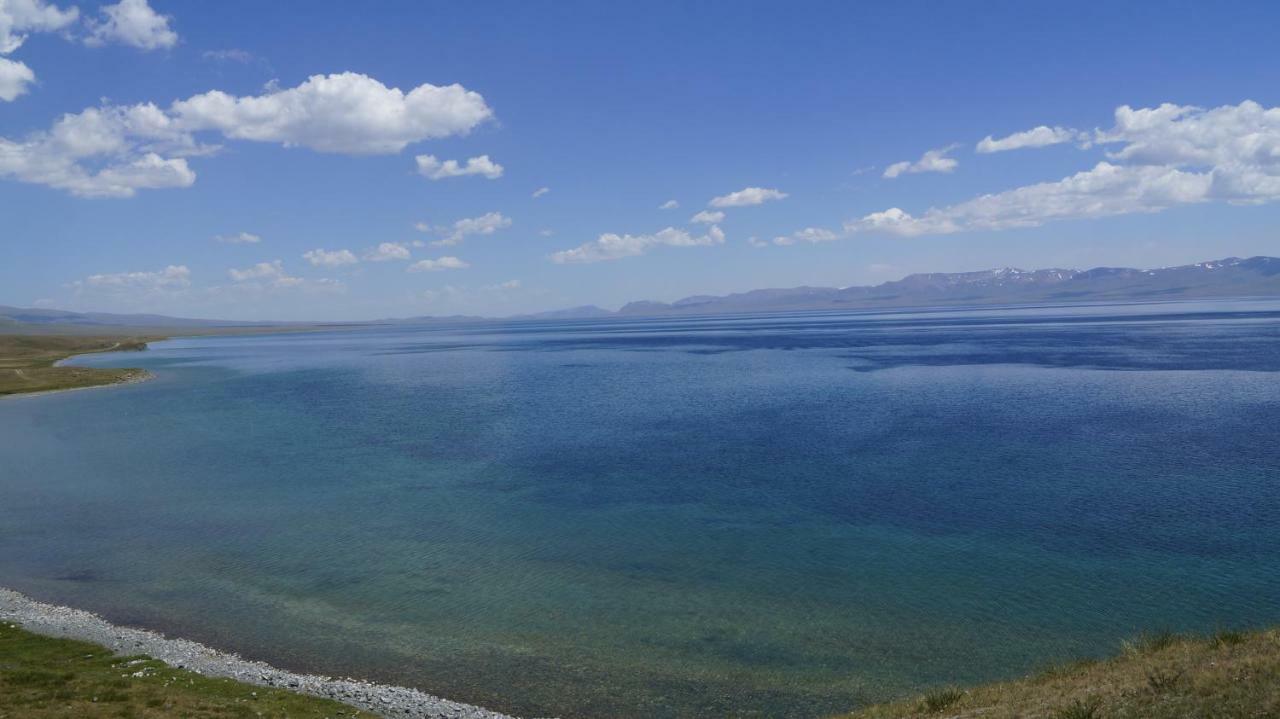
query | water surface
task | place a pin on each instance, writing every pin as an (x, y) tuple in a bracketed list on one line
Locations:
[(784, 515)]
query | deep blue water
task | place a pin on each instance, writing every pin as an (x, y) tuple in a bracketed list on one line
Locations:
[(754, 516)]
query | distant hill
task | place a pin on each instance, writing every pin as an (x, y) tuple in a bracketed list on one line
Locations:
[(1230, 277), (18, 315)]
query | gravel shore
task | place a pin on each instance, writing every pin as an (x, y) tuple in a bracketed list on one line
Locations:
[(388, 701)]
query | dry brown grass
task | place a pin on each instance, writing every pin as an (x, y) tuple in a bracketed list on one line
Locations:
[(1231, 675)]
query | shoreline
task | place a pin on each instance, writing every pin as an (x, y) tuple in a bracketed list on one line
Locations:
[(383, 699), (141, 376)]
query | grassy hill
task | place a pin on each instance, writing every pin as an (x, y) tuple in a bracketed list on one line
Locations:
[(27, 362), (1231, 675)]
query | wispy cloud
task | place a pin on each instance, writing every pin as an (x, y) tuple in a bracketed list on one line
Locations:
[(330, 258), (387, 251), (440, 263), (931, 161), (454, 234), (610, 246), (1041, 136), (747, 196), (239, 238)]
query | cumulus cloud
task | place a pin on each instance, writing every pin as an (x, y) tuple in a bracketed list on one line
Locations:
[(330, 258), (133, 23), (239, 238), (708, 217), (14, 78), (669, 205), (19, 18), (610, 246), (454, 234), (113, 151), (1041, 136), (441, 263), (931, 161), (104, 152), (387, 251), (540, 192), (434, 169), (346, 113), (747, 196), (1163, 157)]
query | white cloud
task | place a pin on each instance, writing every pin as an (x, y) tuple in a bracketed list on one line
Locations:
[(546, 233), (267, 276), (669, 205), (330, 258), (133, 23), (387, 251), (261, 271), (615, 247), (454, 234), (170, 277), (931, 161), (708, 217), (1168, 156), (347, 113), (239, 238), (18, 18), (103, 152), (756, 242), (434, 169), (540, 192), (14, 78), (747, 196), (1041, 136), (808, 234), (443, 263), (113, 151)]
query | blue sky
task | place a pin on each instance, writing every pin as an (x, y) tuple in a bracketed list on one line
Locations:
[(828, 130)]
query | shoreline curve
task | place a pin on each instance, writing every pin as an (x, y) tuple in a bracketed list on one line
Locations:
[(383, 699)]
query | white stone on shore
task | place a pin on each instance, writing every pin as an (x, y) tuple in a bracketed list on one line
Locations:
[(386, 700)]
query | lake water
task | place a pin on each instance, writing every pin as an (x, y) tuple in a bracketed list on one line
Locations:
[(785, 515)]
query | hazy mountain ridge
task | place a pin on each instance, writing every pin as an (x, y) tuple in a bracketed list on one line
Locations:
[(1229, 277)]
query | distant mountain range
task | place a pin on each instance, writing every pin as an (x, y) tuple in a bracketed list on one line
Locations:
[(1230, 277), (14, 318)]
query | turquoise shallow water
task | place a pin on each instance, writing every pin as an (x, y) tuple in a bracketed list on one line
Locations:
[(754, 516)]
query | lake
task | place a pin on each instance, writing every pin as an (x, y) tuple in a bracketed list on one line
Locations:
[(772, 515)]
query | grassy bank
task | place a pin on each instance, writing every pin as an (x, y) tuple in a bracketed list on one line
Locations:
[(41, 678), (1231, 675), (27, 362)]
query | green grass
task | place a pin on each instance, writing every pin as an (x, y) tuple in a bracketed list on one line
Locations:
[(27, 362), (43, 678), (1229, 675)]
